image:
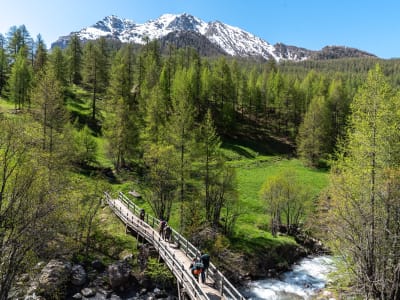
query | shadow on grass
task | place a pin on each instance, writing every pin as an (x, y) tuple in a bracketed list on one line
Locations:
[(84, 119), (94, 171), (260, 145)]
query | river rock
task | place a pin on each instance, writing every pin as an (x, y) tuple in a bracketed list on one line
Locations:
[(54, 277), (77, 296), (88, 292), (118, 274), (78, 275)]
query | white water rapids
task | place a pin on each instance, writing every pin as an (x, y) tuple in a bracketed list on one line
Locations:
[(304, 281)]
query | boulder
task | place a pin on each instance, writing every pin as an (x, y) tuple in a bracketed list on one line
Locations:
[(98, 265), (54, 278), (78, 275), (118, 274)]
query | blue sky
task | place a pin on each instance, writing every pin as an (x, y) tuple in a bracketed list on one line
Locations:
[(373, 26)]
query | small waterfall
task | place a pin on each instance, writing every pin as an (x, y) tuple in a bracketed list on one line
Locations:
[(305, 280)]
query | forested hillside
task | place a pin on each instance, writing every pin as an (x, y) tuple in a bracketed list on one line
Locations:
[(79, 121)]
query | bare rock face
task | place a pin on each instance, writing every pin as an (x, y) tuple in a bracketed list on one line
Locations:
[(53, 278)]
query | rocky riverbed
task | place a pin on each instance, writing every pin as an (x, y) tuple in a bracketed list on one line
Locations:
[(60, 279)]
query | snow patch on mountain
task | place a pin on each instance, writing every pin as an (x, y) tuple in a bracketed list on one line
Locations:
[(232, 40)]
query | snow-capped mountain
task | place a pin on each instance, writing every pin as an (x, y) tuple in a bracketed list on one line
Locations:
[(229, 39)]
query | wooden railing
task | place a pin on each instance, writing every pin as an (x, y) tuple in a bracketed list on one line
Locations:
[(225, 288)]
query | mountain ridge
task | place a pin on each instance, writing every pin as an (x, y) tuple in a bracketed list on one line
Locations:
[(224, 38)]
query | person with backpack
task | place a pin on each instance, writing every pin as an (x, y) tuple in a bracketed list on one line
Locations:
[(196, 268), (142, 214), (167, 233), (205, 259), (161, 228)]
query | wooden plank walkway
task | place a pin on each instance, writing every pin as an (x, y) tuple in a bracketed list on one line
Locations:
[(177, 258)]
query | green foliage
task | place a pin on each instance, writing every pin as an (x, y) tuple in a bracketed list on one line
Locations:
[(20, 80), (85, 147), (314, 133), (58, 64), (287, 201), (158, 273), (74, 57), (364, 190)]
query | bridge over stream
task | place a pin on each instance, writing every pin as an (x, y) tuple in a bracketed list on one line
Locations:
[(176, 258)]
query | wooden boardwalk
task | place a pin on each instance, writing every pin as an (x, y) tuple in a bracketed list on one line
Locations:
[(176, 258)]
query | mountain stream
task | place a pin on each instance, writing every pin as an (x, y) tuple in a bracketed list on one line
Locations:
[(304, 281)]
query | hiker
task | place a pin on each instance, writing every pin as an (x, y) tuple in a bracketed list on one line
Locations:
[(205, 259), (167, 233), (161, 227), (196, 267), (141, 215)]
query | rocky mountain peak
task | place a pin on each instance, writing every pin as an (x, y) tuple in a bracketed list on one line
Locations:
[(230, 40)]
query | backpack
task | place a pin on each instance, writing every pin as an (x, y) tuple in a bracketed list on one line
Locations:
[(198, 265), (205, 258)]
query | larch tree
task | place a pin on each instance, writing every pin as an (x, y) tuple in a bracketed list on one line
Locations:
[(160, 159), (180, 133), (210, 160), (20, 80), (40, 58), (58, 64), (95, 71), (4, 67), (315, 133), (122, 126), (48, 94), (74, 55), (365, 210), (29, 204)]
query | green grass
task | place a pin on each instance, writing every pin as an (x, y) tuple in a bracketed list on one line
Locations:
[(6, 106), (251, 177), (253, 170)]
